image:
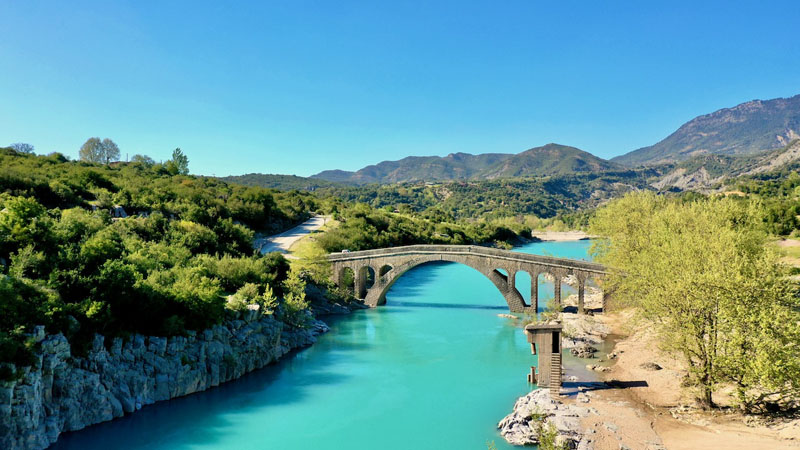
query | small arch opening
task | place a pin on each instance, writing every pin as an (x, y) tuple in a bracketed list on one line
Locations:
[(347, 279), (522, 281), (370, 277), (384, 270)]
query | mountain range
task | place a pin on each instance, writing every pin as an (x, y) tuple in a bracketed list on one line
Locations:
[(750, 128), (550, 159), (752, 136)]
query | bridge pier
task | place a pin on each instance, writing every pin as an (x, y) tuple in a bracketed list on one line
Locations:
[(581, 290), (535, 291), (557, 291)]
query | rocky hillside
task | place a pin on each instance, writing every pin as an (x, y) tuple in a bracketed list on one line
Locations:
[(551, 159), (703, 172), (745, 129)]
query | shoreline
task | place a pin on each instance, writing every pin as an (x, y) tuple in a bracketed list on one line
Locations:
[(647, 392), (629, 395), (117, 380), (637, 401), (561, 236)]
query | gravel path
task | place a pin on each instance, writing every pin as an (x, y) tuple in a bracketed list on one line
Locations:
[(281, 242)]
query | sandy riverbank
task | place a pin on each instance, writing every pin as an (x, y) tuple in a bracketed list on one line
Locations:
[(643, 405), (560, 235)]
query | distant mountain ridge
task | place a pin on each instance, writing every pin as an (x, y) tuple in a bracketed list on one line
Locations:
[(455, 166), (745, 129), (550, 159)]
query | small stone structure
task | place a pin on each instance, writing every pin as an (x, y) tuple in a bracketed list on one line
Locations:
[(545, 340), (499, 266)]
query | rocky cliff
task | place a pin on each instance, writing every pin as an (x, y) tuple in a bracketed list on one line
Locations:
[(64, 392)]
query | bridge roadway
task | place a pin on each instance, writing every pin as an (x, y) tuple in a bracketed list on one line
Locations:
[(499, 266)]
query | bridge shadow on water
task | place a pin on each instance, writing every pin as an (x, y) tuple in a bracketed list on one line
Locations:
[(448, 305)]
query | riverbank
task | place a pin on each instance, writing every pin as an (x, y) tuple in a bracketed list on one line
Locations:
[(632, 397), (646, 383), (65, 392), (559, 236)]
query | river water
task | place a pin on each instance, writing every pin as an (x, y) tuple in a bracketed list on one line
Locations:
[(435, 368)]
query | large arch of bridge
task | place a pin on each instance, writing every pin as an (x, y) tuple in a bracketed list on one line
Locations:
[(485, 266)]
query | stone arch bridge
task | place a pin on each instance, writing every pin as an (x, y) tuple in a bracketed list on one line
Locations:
[(389, 264)]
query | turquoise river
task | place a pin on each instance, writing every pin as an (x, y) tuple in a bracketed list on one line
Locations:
[(436, 368)]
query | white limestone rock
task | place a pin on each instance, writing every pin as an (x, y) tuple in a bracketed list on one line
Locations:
[(63, 392), (520, 428)]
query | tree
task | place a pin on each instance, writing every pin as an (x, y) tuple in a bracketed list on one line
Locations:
[(97, 151), (702, 272), (92, 150), (110, 151), (22, 147), (143, 160), (179, 164)]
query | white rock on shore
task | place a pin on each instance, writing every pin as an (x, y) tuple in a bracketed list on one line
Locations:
[(519, 428), (63, 392)]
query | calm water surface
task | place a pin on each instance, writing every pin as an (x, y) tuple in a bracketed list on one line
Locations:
[(433, 369)]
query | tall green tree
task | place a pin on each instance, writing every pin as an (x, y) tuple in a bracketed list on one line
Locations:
[(179, 164), (701, 271)]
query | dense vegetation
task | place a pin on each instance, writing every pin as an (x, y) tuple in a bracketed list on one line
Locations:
[(701, 270), (779, 191), (454, 201), (282, 182), (363, 227), (141, 247), (131, 247)]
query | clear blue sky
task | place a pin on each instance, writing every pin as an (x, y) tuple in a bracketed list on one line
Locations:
[(300, 86)]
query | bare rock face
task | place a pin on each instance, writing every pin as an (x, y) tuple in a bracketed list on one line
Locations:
[(539, 408), (581, 330), (66, 393)]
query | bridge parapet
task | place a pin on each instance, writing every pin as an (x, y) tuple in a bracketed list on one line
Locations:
[(388, 264)]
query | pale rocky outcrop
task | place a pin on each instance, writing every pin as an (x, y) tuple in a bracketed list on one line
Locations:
[(63, 392), (520, 428)]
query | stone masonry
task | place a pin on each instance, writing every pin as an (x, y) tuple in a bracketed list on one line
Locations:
[(389, 264)]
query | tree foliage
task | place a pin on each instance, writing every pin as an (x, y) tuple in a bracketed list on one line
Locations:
[(179, 164), (99, 151), (700, 269), (169, 267)]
